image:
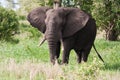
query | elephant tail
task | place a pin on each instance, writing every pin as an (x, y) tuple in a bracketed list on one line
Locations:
[(98, 53)]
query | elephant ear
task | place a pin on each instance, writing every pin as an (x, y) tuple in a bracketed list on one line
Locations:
[(76, 19), (37, 18)]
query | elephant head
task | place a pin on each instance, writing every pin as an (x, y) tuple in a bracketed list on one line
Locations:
[(37, 18), (70, 20), (62, 23)]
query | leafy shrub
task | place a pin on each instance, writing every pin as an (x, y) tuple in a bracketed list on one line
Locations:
[(21, 17), (107, 15), (33, 32), (8, 23)]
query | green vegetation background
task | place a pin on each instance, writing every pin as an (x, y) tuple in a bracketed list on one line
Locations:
[(22, 59)]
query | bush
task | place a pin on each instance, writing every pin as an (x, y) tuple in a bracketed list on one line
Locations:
[(8, 23), (21, 17), (107, 15), (33, 32)]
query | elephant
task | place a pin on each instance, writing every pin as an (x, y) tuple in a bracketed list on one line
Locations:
[(70, 27)]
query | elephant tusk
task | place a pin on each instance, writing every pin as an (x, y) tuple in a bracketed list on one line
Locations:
[(42, 41)]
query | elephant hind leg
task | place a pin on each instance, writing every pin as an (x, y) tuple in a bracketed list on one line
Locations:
[(82, 54), (79, 55), (86, 52)]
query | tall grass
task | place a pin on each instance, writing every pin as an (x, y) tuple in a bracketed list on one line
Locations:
[(11, 70)]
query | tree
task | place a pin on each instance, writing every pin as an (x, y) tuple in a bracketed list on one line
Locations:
[(107, 15), (28, 5), (56, 4), (83, 4), (9, 24)]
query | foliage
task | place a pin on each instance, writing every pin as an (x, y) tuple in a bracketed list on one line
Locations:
[(83, 4), (68, 3), (8, 23), (32, 32), (107, 15), (28, 5)]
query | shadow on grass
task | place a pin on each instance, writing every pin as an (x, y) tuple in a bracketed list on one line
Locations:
[(114, 66)]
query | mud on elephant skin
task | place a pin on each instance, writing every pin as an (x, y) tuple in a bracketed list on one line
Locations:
[(71, 27)]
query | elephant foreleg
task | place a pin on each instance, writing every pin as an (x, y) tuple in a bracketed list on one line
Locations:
[(58, 50), (67, 46)]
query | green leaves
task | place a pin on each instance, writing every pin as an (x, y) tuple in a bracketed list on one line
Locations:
[(107, 15), (8, 23)]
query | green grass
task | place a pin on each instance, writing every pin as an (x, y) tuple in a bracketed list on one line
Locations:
[(25, 60)]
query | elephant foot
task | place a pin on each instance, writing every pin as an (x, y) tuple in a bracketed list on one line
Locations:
[(79, 58), (85, 57), (56, 61), (79, 61), (65, 61), (52, 61)]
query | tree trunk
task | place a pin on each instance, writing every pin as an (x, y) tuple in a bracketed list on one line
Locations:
[(111, 35), (57, 3)]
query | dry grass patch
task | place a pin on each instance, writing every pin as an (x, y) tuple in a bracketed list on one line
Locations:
[(30, 70)]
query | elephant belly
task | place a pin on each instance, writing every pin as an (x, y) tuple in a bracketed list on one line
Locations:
[(84, 38)]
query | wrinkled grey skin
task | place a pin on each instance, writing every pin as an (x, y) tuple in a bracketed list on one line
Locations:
[(71, 27)]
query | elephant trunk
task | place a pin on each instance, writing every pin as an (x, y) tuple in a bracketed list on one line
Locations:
[(53, 51), (54, 45)]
